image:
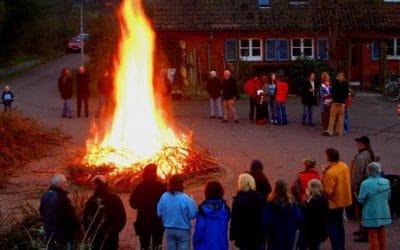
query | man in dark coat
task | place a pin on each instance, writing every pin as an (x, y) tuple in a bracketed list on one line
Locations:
[(214, 89), (309, 99), (83, 80), (60, 222), (229, 94), (104, 216), (144, 198), (105, 88), (65, 87), (263, 186)]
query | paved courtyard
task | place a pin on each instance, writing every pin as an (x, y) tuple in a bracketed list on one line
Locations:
[(281, 149)]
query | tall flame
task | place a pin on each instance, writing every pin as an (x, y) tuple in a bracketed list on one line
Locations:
[(138, 132)]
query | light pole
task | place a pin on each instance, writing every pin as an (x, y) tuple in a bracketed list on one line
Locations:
[(82, 37)]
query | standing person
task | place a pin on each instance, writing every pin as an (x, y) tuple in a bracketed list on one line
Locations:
[(60, 222), (316, 210), (272, 97), (282, 218), (83, 80), (340, 93), (358, 173), (211, 231), (65, 88), (325, 94), (262, 183), (104, 216), (301, 183), (104, 87), (262, 114), (214, 89), (229, 94), (282, 92), (337, 187), (251, 87), (309, 99), (245, 229), (346, 121), (7, 98), (374, 195), (144, 198), (176, 210)]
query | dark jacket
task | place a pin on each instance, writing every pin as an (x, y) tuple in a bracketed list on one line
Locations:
[(211, 231), (65, 87), (262, 183), (108, 223), (144, 198), (229, 89), (315, 220), (246, 229), (280, 221), (340, 92), (214, 87), (309, 98), (60, 222), (105, 86), (7, 97), (83, 81)]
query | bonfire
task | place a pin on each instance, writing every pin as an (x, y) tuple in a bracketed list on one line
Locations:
[(138, 133)]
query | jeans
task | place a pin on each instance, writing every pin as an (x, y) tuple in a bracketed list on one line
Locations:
[(67, 108), (272, 108), (307, 115), (85, 100), (336, 119), (346, 122), (216, 107), (253, 103), (177, 239), (281, 116), (336, 229), (377, 238), (229, 110)]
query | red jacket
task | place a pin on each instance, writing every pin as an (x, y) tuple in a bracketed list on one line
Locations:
[(251, 86), (282, 91), (301, 183)]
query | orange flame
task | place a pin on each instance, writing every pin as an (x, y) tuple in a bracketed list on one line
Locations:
[(138, 132)]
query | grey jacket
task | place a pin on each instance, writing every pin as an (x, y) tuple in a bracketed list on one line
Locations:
[(359, 169)]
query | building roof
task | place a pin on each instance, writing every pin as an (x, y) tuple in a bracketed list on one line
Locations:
[(279, 15)]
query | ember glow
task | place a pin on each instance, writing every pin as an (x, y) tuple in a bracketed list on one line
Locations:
[(138, 134)]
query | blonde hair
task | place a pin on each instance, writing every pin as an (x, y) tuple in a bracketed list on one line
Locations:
[(325, 76), (281, 190), (246, 183), (314, 187)]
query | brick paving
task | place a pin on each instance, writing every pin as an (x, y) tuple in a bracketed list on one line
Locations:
[(281, 149)]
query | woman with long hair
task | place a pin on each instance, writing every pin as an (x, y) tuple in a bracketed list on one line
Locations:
[(65, 88), (144, 198), (282, 218)]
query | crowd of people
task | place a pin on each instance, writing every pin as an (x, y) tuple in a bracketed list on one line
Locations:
[(262, 216), (268, 96)]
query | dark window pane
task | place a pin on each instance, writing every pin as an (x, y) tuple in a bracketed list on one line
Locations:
[(270, 50), (244, 52), (390, 51), (282, 50), (230, 50), (244, 43), (390, 43), (256, 43), (323, 49), (296, 42), (256, 52), (307, 52), (263, 3), (375, 51), (307, 42), (296, 51)]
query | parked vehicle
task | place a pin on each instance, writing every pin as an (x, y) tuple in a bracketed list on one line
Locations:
[(392, 88), (76, 43)]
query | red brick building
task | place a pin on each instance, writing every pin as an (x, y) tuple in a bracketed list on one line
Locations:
[(357, 36)]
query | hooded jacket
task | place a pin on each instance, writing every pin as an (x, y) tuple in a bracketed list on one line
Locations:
[(211, 230)]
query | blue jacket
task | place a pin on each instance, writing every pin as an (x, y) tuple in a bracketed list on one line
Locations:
[(176, 210), (280, 222), (211, 231), (375, 195)]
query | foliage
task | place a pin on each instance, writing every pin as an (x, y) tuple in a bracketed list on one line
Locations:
[(244, 72), (301, 68), (23, 140)]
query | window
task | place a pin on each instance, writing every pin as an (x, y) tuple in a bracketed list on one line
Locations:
[(393, 48), (298, 1), (230, 50), (392, 1), (375, 53), (302, 47), (263, 3), (323, 52), (250, 49), (276, 50)]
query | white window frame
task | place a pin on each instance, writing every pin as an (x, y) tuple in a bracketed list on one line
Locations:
[(392, 1), (302, 47), (251, 58), (297, 2), (396, 44)]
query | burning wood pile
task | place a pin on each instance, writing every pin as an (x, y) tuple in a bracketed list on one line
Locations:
[(138, 133)]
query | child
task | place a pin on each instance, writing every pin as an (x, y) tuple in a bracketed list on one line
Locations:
[(300, 185), (7, 99)]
